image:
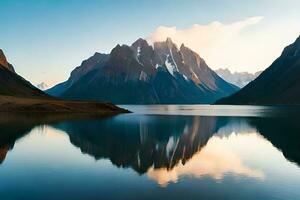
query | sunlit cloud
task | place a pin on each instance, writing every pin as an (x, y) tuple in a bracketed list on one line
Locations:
[(203, 36), (216, 42), (246, 45), (216, 159)]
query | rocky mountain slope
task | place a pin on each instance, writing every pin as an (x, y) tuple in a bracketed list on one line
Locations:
[(145, 74)]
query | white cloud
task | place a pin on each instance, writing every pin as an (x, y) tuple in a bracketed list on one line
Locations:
[(232, 45)]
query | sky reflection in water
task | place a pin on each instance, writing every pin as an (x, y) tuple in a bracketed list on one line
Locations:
[(151, 156)]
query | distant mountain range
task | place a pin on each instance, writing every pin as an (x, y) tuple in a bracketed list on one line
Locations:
[(145, 74), (278, 84), (42, 86), (239, 79)]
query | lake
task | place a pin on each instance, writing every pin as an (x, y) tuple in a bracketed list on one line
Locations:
[(157, 152)]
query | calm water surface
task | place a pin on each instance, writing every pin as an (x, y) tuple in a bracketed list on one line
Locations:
[(158, 152)]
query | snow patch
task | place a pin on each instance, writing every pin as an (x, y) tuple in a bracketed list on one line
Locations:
[(176, 68), (138, 50), (171, 66), (185, 77)]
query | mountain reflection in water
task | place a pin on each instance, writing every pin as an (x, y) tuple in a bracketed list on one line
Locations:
[(216, 160), (141, 142), (167, 147)]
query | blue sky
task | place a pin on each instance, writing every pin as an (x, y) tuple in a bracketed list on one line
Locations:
[(46, 39)]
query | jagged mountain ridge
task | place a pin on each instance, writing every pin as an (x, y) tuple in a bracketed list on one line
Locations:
[(145, 74), (278, 84)]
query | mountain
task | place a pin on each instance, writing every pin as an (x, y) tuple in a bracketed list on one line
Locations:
[(18, 95), (96, 61), (4, 63), (145, 74), (240, 79), (14, 85), (42, 86), (278, 84)]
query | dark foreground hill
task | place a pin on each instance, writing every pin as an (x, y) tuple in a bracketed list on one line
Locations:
[(12, 84), (19, 95)]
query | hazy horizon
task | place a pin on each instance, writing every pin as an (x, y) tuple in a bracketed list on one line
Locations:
[(51, 38)]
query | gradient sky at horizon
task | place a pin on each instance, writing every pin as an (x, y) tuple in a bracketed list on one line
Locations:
[(46, 39)]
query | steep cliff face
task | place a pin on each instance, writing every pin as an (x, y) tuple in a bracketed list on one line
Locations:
[(4, 63)]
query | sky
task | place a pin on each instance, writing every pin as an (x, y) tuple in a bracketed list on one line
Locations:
[(46, 39)]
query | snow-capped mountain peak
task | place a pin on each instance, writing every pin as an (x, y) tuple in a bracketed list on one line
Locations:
[(142, 73)]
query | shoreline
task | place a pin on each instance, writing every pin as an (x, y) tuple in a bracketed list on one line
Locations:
[(13, 104)]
